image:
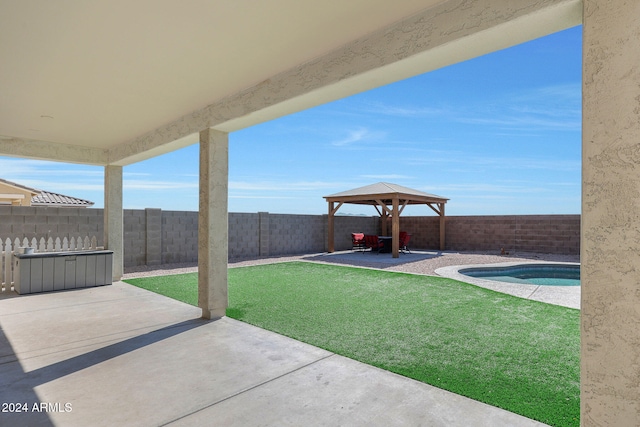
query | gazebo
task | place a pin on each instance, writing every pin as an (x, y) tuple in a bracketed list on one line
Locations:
[(389, 200)]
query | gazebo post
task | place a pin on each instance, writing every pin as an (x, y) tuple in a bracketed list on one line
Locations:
[(330, 231), (383, 222), (442, 234), (395, 229)]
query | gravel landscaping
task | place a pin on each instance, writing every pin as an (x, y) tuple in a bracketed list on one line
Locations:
[(426, 262)]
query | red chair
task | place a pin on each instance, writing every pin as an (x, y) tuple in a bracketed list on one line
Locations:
[(373, 242), (357, 241), (404, 240)]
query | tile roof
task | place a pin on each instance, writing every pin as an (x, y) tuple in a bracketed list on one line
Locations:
[(47, 198)]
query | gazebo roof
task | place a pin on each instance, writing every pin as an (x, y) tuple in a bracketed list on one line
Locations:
[(384, 192), (389, 200)]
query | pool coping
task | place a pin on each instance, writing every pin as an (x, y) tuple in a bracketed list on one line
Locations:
[(566, 296)]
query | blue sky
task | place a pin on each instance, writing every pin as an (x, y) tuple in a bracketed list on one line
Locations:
[(497, 135)]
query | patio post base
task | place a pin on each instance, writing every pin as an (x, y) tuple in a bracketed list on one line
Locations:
[(213, 314)]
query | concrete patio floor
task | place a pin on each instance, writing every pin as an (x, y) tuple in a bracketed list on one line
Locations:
[(122, 356)]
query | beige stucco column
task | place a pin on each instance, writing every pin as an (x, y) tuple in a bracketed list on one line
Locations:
[(213, 219), (113, 218), (610, 241)]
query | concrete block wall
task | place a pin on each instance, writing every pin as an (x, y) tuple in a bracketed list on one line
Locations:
[(244, 235), (481, 233), (37, 221), (179, 237), (548, 233), (296, 234), (345, 225), (424, 230), (558, 234), (153, 236), (135, 237)]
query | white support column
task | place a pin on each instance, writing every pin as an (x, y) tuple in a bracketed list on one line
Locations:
[(213, 219), (610, 231), (113, 219)]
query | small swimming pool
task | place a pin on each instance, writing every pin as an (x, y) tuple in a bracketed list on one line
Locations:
[(529, 274)]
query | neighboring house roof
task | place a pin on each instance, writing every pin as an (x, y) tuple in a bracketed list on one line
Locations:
[(47, 198), (20, 186)]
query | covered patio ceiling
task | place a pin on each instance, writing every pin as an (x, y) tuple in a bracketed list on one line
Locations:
[(390, 201), (116, 82)]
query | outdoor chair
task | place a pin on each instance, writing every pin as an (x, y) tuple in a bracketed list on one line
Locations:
[(404, 241), (373, 242), (357, 241)]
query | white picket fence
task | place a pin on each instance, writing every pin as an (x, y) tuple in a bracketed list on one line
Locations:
[(49, 245)]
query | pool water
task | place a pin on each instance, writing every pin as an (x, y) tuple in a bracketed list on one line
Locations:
[(530, 274)]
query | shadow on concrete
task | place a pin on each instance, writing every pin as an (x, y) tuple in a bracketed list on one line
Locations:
[(19, 387), (16, 404), (8, 294)]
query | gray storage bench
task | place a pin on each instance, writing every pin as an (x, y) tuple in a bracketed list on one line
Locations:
[(55, 271)]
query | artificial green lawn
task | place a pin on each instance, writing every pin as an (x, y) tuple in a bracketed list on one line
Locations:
[(509, 352)]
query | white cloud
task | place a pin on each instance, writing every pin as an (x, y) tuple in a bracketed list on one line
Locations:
[(556, 108), (359, 134), (150, 185), (233, 196), (495, 163), (391, 177), (474, 189), (404, 110), (515, 120), (280, 185), (19, 168)]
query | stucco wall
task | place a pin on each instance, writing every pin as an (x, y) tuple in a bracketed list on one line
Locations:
[(15, 196), (152, 236), (610, 307)]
